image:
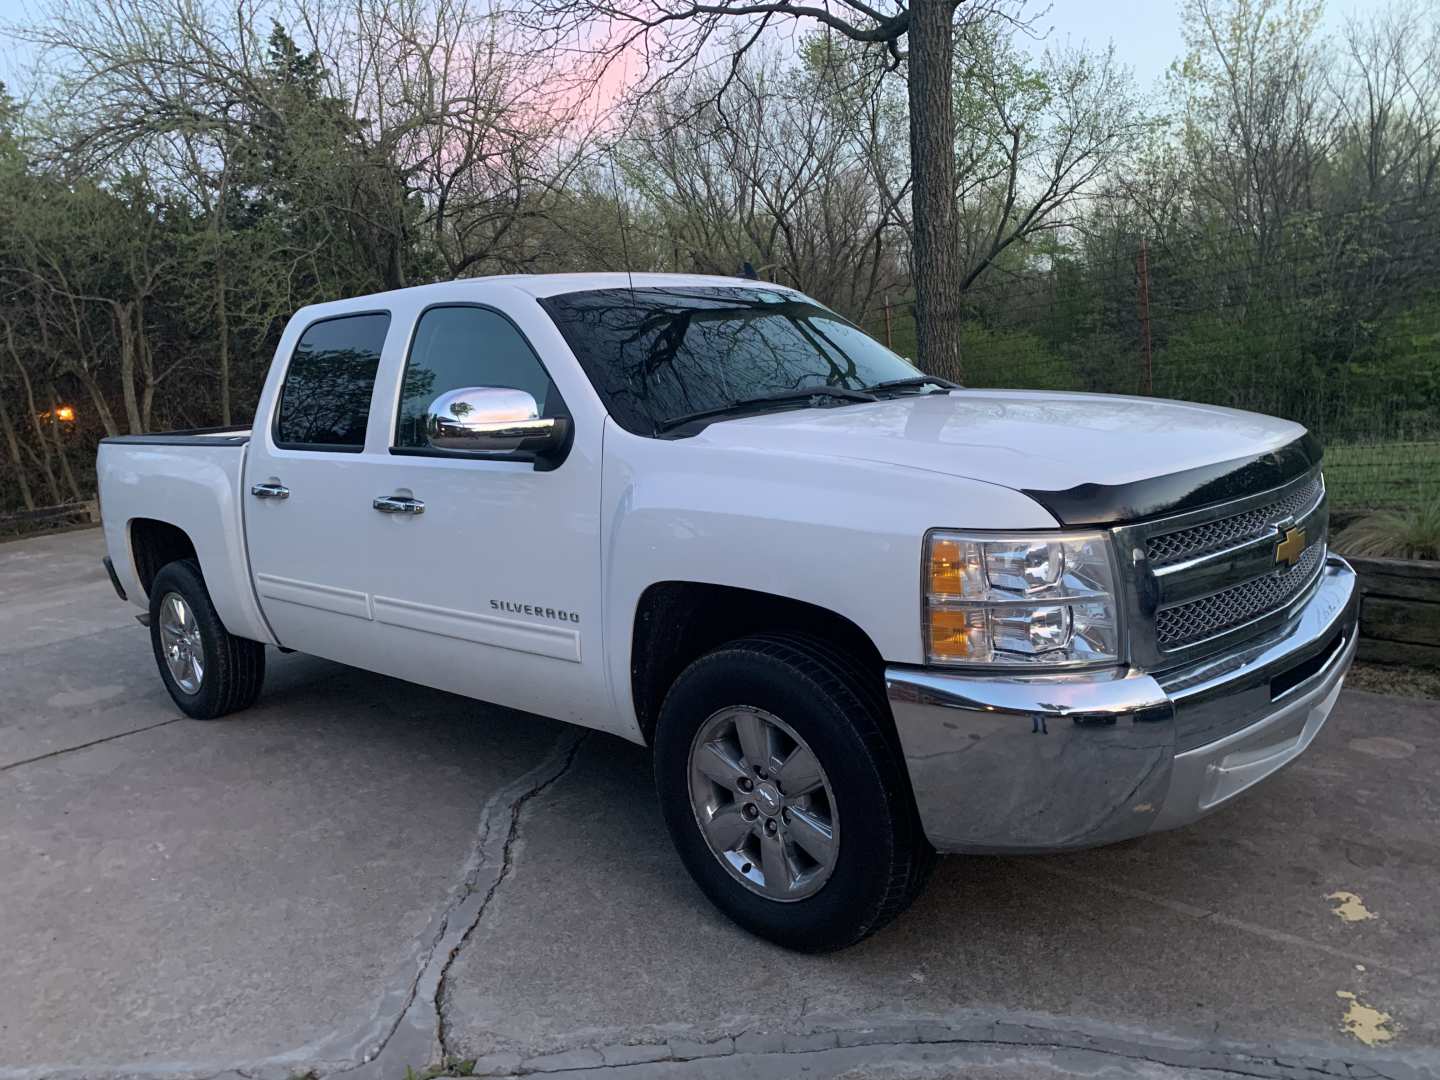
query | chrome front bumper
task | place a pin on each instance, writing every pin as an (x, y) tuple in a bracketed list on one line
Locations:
[(1053, 762)]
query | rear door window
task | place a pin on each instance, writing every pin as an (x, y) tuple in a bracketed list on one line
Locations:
[(325, 401)]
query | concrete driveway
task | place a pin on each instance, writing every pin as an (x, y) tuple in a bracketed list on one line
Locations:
[(361, 876)]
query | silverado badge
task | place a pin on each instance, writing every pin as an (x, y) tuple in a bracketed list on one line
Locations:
[(1289, 550)]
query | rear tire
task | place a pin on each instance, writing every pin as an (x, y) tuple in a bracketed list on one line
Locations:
[(814, 867), (208, 671)]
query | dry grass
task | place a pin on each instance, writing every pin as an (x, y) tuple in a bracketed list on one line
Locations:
[(1413, 533), (1395, 680)]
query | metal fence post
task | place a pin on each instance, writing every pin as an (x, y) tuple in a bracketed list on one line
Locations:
[(1142, 274)]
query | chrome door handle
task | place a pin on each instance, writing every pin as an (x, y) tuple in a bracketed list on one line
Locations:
[(398, 504), (270, 491)]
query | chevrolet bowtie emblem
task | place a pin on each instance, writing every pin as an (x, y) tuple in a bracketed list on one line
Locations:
[(1289, 550)]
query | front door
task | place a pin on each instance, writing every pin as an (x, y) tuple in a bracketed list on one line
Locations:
[(493, 589)]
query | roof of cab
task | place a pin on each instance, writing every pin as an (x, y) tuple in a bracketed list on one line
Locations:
[(535, 285), (539, 285)]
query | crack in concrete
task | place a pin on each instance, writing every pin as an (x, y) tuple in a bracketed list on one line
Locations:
[(844, 1048), (418, 1032), (849, 1046), (1273, 1069), (61, 751), (407, 1041), (507, 862), (86, 745)]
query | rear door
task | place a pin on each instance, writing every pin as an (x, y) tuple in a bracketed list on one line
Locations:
[(308, 490)]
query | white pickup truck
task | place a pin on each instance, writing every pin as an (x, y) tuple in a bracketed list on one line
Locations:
[(858, 613)]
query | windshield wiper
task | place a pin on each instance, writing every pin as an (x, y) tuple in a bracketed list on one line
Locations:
[(914, 382), (802, 396)]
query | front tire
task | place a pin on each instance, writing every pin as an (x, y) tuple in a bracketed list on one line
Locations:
[(784, 794), (208, 671)]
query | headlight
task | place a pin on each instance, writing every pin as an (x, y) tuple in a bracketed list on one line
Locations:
[(1022, 599)]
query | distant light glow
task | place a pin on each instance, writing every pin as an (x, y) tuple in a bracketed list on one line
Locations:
[(65, 413)]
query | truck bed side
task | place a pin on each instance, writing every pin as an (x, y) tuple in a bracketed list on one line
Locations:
[(192, 481)]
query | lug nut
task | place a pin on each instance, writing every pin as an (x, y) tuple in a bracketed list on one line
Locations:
[(761, 774), (750, 811), (746, 784), (785, 815), (770, 827)]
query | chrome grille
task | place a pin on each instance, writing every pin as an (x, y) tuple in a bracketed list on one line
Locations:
[(1170, 548), (1210, 615)]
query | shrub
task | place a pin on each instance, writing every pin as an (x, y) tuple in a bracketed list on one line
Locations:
[(1394, 534)]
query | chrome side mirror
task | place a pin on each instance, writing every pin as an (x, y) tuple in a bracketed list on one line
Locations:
[(492, 420)]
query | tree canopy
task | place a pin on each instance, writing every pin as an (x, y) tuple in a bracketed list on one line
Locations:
[(176, 178)]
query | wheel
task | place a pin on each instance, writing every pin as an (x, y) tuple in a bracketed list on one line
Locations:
[(785, 796), (208, 671)]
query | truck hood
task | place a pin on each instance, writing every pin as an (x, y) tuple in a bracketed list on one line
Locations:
[(1088, 458)]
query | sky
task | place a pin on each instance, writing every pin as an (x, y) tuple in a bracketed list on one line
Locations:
[(1146, 34)]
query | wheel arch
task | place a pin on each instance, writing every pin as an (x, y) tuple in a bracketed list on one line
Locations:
[(676, 622), (154, 544)]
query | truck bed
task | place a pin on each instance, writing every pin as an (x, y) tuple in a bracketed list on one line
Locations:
[(216, 436), (194, 481)]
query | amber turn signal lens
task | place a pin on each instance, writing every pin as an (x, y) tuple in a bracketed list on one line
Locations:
[(947, 567), (958, 634)]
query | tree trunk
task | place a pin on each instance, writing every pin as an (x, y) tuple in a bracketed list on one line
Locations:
[(222, 324), (147, 367), (122, 313), (14, 446), (34, 413), (97, 398), (222, 283), (935, 257), (65, 469)]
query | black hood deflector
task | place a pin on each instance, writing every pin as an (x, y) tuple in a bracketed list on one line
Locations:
[(1161, 496)]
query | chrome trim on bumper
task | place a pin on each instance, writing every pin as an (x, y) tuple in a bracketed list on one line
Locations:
[(1051, 762)]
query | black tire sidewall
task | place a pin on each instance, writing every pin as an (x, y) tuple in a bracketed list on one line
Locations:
[(869, 797), (184, 578)]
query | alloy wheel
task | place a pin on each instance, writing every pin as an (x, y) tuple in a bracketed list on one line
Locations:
[(763, 803), (181, 642)]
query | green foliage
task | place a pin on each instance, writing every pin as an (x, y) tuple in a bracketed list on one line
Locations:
[(1392, 474), (1011, 358), (1398, 363), (1254, 360), (189, 180)]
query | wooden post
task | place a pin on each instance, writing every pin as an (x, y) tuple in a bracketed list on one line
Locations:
[(889, 342), (1142, 274)]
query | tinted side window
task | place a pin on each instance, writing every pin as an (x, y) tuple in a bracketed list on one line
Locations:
[(457, 347), (326, 397)]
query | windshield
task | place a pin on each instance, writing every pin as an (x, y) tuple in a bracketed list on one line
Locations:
[(657, 354)]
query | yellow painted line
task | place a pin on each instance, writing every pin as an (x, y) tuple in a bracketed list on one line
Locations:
[(1350, 907), (1371, 1026)]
